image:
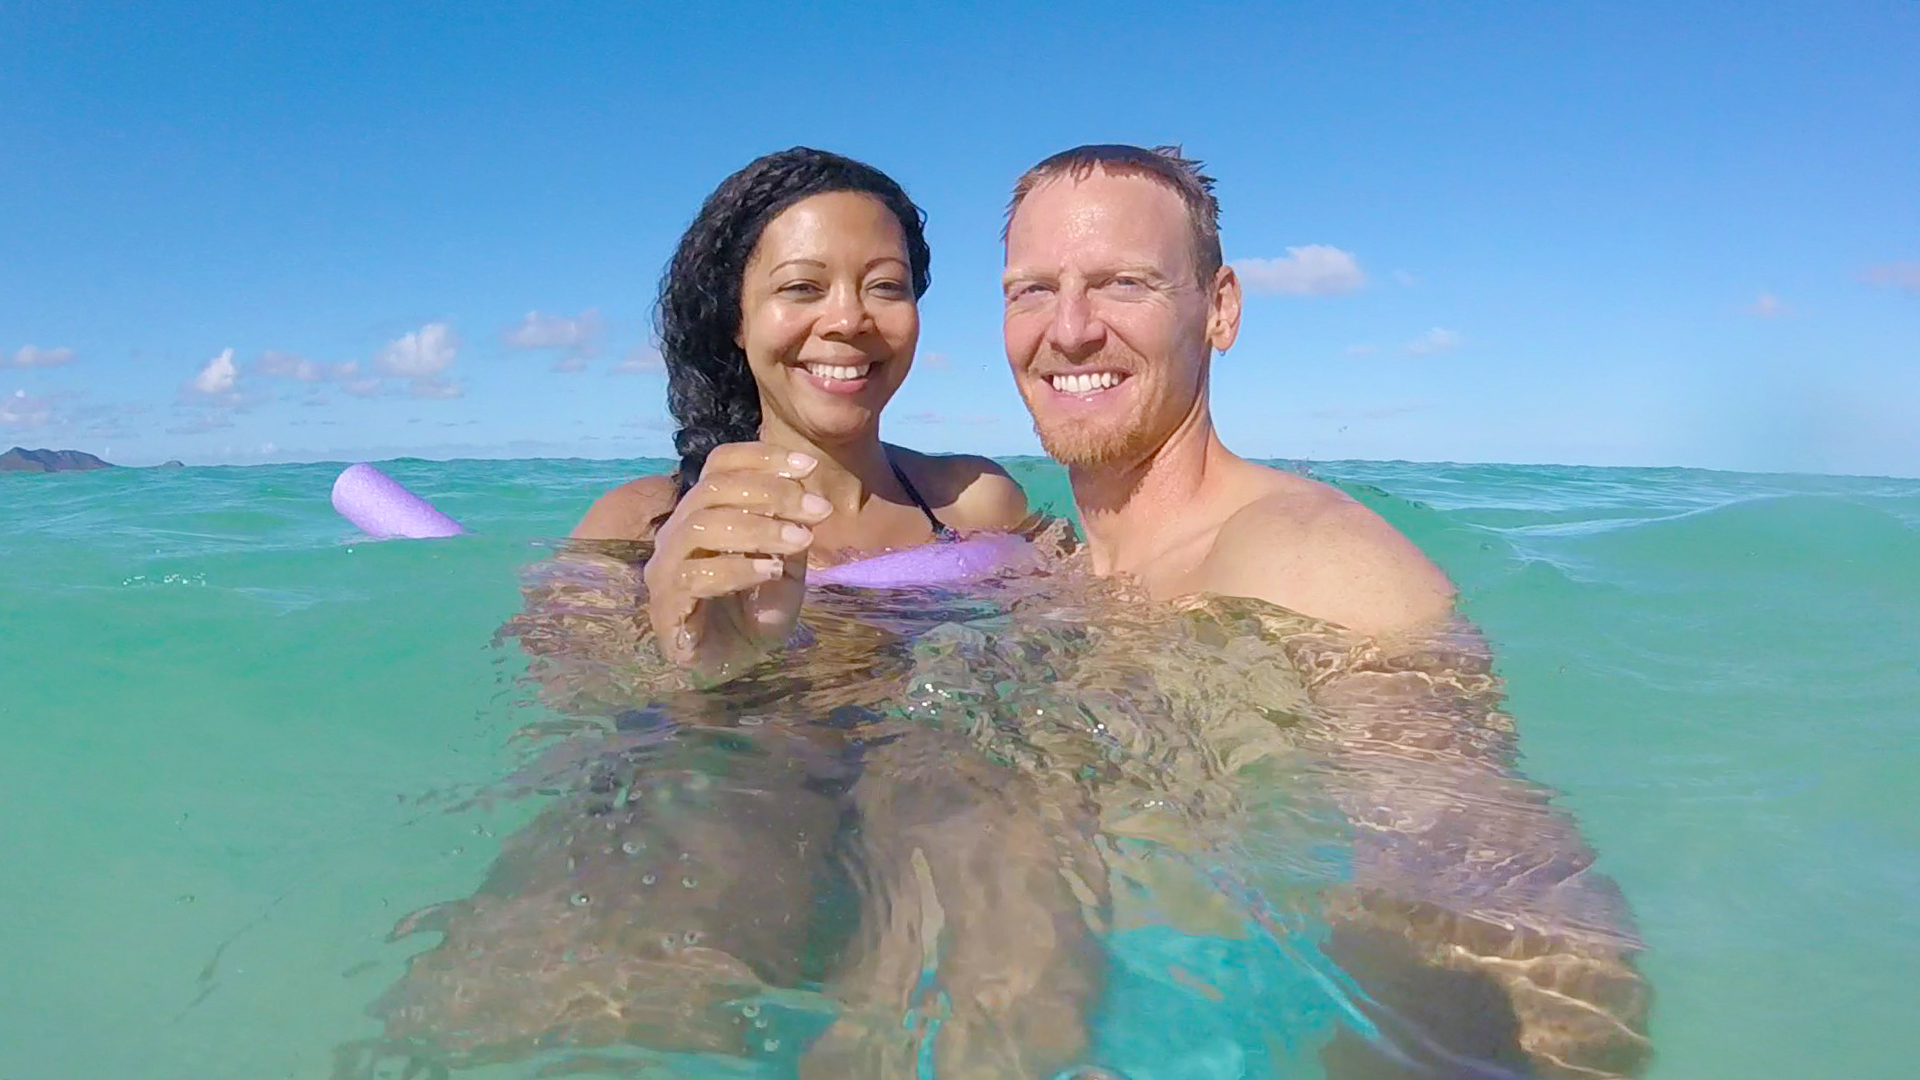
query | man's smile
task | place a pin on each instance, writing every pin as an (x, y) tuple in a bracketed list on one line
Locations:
[(1085, 382)]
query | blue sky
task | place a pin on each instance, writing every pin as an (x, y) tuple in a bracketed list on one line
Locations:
[(1623, 233)]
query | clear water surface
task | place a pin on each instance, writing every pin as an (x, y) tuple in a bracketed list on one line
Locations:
[(241, 745)]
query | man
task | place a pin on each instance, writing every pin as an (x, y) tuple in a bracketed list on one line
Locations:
[(1117, 297)]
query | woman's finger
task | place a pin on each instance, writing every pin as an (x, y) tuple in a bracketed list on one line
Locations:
[(764, 493), (757, 457), (725, 575), (741, 532)]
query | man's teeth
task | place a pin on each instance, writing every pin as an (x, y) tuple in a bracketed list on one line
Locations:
[(839, 371), (1086, 383)]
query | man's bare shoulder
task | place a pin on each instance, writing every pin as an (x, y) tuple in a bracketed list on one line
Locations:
[(967, 491), (1309, 547), (629, 511)]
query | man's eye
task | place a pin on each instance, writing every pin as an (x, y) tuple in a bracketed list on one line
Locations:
[(1027, 290), (1129, 283)]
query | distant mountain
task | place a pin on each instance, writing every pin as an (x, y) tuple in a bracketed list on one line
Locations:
[(20, 459)]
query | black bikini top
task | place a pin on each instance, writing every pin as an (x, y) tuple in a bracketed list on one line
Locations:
[(940, 531)]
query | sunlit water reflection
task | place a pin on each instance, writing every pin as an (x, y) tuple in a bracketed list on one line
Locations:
[(1039, 825)]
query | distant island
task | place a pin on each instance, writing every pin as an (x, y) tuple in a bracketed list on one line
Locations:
[(21, 459)]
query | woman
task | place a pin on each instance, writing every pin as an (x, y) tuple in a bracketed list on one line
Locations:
[(788, 319)]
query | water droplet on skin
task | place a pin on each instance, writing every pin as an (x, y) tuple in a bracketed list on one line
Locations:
[(632, 847), (648, 879), (760, 1023), (749, 1011), (691, 937), (667, 942), (580, 899), (688, 882), (770, 1045), (187, 898)]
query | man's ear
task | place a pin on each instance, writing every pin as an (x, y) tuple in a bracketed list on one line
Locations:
[(1223, 315)]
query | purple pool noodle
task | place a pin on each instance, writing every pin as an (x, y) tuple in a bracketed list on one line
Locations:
[(384, 510), (931, 564)]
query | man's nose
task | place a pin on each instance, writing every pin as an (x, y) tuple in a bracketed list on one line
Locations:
[(1075, 331)]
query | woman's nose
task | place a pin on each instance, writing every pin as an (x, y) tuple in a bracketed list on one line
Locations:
[(845, 314)]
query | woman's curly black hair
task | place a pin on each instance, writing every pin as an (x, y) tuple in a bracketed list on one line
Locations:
[(710, 390)]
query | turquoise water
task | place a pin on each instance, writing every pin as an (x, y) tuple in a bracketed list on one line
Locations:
[(229, 727)]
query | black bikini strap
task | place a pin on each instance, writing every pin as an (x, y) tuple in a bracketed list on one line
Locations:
[(940, 531)]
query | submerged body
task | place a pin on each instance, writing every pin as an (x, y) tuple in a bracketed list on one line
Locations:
[(998, 782)]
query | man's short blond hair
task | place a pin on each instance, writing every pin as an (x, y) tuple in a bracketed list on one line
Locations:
[(1162, 164)]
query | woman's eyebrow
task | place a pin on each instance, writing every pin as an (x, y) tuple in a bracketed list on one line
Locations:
[(815, 263)]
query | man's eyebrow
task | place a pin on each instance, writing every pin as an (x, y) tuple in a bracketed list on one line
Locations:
[(1145, 270)]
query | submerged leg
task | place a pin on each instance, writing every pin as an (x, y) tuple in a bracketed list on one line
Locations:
[(976, 894), (637, 914)]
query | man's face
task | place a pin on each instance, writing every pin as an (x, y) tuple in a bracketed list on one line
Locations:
[(1108, 328)]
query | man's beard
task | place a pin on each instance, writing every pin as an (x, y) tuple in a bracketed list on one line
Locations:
[(1074, 446)]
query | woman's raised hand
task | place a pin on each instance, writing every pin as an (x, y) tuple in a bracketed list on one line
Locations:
[(729, 565)]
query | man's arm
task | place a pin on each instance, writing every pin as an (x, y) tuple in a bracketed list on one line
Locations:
[(1319, 553), (1464, 874)]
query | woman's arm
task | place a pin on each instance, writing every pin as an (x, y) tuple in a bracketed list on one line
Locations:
[(628, 512)]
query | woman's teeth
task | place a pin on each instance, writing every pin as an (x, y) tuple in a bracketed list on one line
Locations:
[(844, 372), (1086, 383)]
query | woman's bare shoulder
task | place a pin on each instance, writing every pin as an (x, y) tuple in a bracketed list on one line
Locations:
[(966, 490), (629, 511)]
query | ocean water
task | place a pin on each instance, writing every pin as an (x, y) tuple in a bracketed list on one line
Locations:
[(241, 744)]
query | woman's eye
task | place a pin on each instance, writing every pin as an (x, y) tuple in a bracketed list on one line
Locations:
[(799, 288), (889, 288)]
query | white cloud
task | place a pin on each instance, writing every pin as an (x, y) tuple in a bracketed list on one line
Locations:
[(579, 335), (1312, 270), (1767, 306), (217, 377), (434, 388), (422, 354), (640, 360), (25, 410), (283, 365), (33, 356), (200, 425), (1404, 279), (570, 365), (1904, 276), (1436, 340), (930, 416)]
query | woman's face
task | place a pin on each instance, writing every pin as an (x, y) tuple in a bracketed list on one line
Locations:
[(827, 315)]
